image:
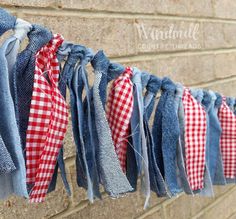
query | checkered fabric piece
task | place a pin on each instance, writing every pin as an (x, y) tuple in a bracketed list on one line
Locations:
[(48, 121), (228, 139), (195, 140), (119, 110)]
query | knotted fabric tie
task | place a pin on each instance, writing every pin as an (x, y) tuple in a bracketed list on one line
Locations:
[(228, 139), (195, 140), (119, 111), (48, 120)]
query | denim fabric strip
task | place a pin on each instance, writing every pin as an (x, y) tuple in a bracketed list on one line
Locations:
[(234, 109), (80, 81), (215, 160), (77, 86), (219, 178), (170, 134), (134, 151), (89, 142), (157, 182), (112, 176), (131, 165), (208, 189), (21, 29), (137, 115), (157, 138), (25, 66), (68, 74), (7, 21), (181, 171), (235, 106), (7, 165), (140, 80), (14, 182), (230, 102)]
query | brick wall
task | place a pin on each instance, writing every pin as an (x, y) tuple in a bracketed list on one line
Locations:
[(130, 32)]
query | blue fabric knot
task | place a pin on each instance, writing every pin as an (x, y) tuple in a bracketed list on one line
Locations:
[(154, 84), (37, 37), (75, 55), (230, 102), (7, 21), (64, 50), (114, 70), (21, 29), (206, 101), (218, 101), (197, 94), (100, 62), (168, 85), (86, 56)]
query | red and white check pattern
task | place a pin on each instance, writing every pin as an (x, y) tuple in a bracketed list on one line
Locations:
[(195, 140), (228, 139), (48, 121), (119, 111)]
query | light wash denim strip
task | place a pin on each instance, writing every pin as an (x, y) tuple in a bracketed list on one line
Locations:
[(7, 165), (90, 146), (14, 182), (181, 171), (140, 81), (76, 84), (79, 81), (215, 161), (208, 189), (112, 176)]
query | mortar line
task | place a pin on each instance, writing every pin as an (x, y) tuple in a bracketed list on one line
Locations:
[(71, 209), (154, 208), (57, 10), (211, 205), (233, 215), (214, 82), (181, 53), (149, 212)]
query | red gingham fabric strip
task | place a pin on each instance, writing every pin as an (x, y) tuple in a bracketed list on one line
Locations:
[(195, 140), (228, 139), (119, 110), (48, 121)]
